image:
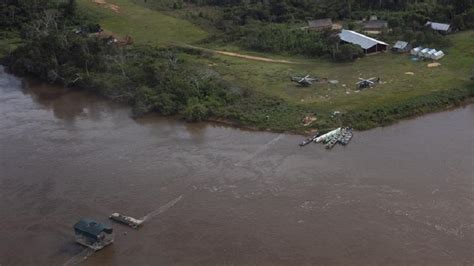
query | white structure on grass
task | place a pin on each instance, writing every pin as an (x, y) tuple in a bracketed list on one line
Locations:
[(427, 53)]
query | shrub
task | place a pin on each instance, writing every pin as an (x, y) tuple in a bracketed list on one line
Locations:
[(349, 52)]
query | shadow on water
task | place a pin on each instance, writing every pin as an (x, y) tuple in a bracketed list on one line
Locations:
[(66, 103)]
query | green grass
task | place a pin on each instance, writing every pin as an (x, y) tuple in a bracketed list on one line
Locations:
[(144, 25), (274, 79)]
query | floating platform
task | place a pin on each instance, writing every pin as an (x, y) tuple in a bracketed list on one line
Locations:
[(93, 234)]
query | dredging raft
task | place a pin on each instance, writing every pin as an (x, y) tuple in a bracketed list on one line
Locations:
[(93, 234)]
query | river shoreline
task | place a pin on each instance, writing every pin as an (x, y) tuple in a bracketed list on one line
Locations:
[(302, 130), (310, 131), (396, 195)]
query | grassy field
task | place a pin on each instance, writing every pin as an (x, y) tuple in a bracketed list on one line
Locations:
[(408, 88), (144, 25), (274, 79)]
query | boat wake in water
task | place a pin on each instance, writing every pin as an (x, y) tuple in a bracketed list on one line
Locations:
[(86, 253), (161, 209), (82, 256), (261, 149)]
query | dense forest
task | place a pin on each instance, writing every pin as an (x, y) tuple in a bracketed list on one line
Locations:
[(149, 79), (272, 26)]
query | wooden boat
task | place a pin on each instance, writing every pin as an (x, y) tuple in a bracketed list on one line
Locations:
[(347, 136), (309, 140), (130, 221)]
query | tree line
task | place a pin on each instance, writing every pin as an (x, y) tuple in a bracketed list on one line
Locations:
[(149, 79)]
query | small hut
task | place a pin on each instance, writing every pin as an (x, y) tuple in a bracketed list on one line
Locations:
[(424, 52), (416, 51), (401, 47), (320, 24), (375, 26), (430, 53), (438, 55), (439, 27)]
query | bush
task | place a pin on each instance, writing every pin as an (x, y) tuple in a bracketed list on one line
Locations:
[(349, 52), (288, 39), (195, 111)]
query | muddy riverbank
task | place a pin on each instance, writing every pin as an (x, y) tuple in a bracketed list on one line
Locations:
[(396, 195)]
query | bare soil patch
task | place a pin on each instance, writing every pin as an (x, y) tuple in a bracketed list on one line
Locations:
[(112, 7)]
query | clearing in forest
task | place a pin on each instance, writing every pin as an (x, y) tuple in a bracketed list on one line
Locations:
[(144, 25), (396, 86)]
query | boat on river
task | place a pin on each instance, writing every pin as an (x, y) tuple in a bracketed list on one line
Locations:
[(130, 221), (309, 140), (346, 136), (332, 142), (328, 136)]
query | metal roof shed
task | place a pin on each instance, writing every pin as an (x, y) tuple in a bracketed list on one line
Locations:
[(416, 50), (430, 53), (438, 55), (442, 27), (368, 44), (401, 46), (424, 52)]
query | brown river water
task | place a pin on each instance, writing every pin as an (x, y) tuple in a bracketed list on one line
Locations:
[(400, 195)]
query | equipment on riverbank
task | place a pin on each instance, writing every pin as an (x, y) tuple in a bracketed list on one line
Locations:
[(367, 83), (304, 81), (327, 136), (339, 135), (346, 136), (130, 221), (93, 234), (309, 140)]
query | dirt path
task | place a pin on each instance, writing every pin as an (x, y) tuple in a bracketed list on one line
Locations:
[(112, 7), (256, 58), (249, 57)]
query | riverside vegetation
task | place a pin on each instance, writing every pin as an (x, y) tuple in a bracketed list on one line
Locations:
[(156, 75)]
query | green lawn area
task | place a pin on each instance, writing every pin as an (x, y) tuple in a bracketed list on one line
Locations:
[(148, 26), (274, 79), (144, 25)]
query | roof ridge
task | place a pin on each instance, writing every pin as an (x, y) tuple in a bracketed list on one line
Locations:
[(365, 36)]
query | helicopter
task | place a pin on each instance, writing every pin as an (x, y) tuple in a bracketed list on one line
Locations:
[(367, 83), (304, 81)]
